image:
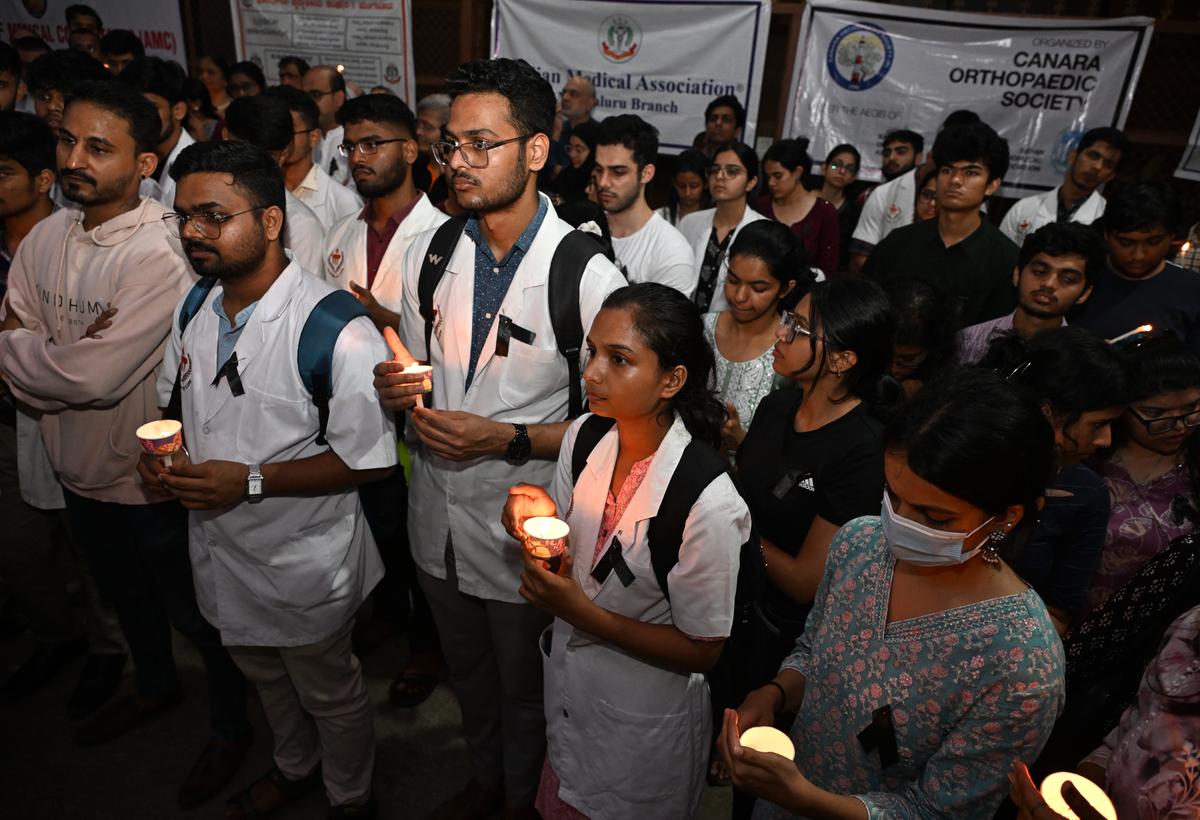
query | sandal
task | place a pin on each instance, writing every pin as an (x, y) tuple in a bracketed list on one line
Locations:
[(274, 791)]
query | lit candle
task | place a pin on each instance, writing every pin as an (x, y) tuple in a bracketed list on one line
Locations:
[(768, 739), (546, 538), (161, 439), (1052, 793), (1134, 332), (426, 371)]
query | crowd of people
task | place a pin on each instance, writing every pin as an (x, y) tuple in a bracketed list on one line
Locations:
[(916, 485)]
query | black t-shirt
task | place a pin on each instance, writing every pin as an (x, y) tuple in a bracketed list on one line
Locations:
[(1168, 300), (790, 478)]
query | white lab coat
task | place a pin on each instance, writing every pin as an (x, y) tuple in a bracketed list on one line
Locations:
[(888, 207), (303, 233), (1032, 212), (288, 571), (529, 385), (696, 228), (346, 253), (328, 200), (163, 189), (627, 738)]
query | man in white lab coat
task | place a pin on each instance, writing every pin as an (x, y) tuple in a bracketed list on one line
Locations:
[(162, 82), (500, 393), (281, 554), (327, 87), (1092, 163)]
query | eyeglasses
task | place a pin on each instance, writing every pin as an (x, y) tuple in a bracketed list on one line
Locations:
[(792, 327), (576, 149), (927, 196), (1165, 424), (849, 168), (317, 93), (207, 224), (728, 171), (474, 153), (366, 147)]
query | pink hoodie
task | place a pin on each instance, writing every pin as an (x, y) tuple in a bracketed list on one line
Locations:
[(94, 393)]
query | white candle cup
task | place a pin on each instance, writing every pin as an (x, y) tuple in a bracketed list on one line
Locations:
[(1052, 788), (768, 739), (426, 383), (162, 439), (546, 538)]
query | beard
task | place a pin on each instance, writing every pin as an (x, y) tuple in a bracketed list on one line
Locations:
[(84, 189), (624, 203), (376, 186), (243, 258), (507, 191)]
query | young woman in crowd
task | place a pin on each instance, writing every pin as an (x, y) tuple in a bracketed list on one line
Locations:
[(627, 707), (768, 271), (839, 188), (925, 207), (926, 332), (732, 176), (927, 666), (1153, 473), (790, 200), (202, 118), (1081, 383), (572, 181), (689, 187), (213, 72)]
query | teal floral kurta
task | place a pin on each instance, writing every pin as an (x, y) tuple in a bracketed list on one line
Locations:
[(970, 689)]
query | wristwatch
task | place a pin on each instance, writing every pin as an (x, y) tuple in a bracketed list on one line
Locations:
[(519, 447), (254, 484)]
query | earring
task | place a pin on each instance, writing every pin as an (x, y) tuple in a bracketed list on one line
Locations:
[(991, 547)]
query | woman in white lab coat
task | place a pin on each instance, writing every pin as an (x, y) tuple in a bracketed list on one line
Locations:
[(627, 707)]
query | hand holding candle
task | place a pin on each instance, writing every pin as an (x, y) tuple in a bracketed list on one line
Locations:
[(401, 380), (546, 539), (162, 439), (1052, 793), (768, 739)]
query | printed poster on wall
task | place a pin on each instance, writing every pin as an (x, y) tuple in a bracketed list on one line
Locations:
[(865, 69), (370, 39), (663, 60), (156, 23), (1189, 163)]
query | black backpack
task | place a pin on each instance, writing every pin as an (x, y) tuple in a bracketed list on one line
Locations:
[(735, 673), (570, 259)]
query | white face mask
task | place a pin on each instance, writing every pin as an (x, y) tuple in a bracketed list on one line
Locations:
[(925, 546)]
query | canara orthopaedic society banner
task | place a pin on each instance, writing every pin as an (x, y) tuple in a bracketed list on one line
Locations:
[(156, 22), (660, 59), (864, 69), (371, 39)]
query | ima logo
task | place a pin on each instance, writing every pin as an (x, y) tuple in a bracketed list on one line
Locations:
[(392, 73), (859, 56), (336, 259), (620, 38)]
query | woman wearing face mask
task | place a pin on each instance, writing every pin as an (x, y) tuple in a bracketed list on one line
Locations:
[(927, 666), (840, 188), (792, 200), (766, 263), (689, 187), (1082, 386)]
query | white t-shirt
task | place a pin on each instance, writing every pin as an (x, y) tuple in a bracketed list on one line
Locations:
[(657, 252)]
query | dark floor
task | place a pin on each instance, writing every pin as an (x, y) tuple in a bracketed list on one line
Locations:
[(421, 758)]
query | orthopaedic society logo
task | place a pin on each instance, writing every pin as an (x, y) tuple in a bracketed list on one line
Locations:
[(859, 56), (620, 38)]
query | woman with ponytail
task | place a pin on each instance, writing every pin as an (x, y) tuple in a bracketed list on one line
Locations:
[(628, 719), (792, 199)]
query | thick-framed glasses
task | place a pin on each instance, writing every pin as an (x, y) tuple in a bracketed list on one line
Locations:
[(1165, 424), (927, 196), (474, 153), (366, 147), (848, 167), (792, 327), (207, 224), (728, 171)]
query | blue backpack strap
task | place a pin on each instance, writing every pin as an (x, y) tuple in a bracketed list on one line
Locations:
[(315, 355), (187, 311)]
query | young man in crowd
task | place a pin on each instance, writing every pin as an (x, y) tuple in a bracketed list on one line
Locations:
[(81, 17), (303, 177), (10, 77), (1055, 271), (95, 391), (267, 123), (960, 252), (86, 42), (281, 555), (648, 248), (502, 422), (902, 152), (327, 87), (119, 48), (52, 78), (164, 84), (724, 119), (1139, 286), (292, 71), (1090, 164)]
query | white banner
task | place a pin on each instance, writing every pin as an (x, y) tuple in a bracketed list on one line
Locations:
[(1189, 163), (157, 23), (371, 39), (865, 69), (663, 60)]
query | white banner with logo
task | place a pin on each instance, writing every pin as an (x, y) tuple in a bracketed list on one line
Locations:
[(370, 39), (865, 69), (157, 24), (1189, 163), (663, 60)]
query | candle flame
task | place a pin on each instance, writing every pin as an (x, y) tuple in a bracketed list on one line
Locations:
[(1186, 247)]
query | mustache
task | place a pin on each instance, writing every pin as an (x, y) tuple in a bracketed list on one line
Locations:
[(191, 246), (79, 175), (461, 174), (1051, 294)]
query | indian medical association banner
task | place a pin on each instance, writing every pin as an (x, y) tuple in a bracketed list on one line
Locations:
[(156, 23), (660, 59), (370, 39), (864, 69)]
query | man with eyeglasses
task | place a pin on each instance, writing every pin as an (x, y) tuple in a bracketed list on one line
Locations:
[(499, 402), (306, 180), (116, 256), (164, 84), (326, 85)]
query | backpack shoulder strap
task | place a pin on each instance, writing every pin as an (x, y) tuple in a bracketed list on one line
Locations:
[(433, 266), (570, 259), (590, 433), (187, 311), (314, 356), (699, 466)]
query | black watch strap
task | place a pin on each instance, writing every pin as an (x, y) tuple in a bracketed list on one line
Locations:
[(519, 447)]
